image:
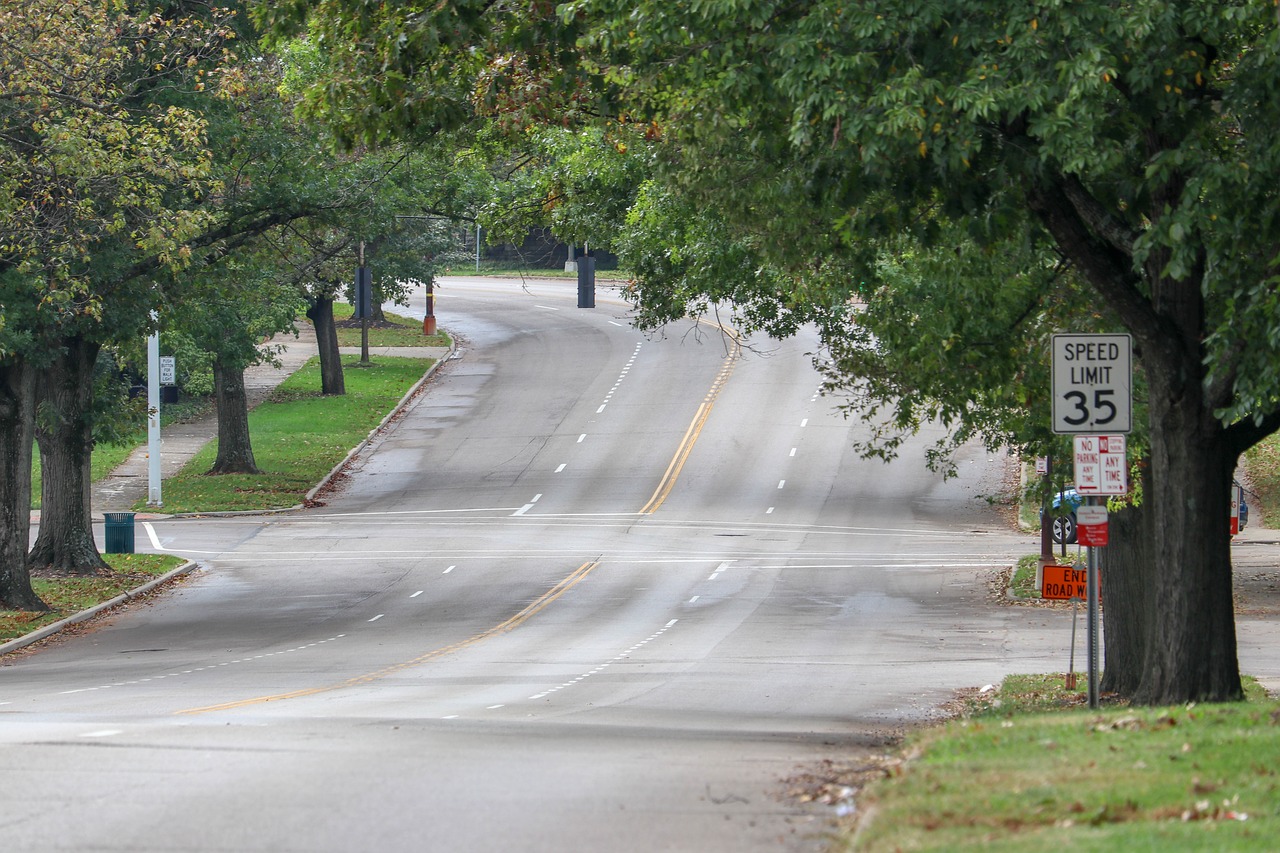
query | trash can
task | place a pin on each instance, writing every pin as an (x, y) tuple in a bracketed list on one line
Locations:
[(119, 532)]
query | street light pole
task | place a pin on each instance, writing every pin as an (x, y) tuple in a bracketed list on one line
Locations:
[(153, 415)]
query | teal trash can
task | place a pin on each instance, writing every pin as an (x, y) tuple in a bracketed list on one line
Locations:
[(119, 532)]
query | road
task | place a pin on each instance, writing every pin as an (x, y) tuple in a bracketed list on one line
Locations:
[(594, 590)]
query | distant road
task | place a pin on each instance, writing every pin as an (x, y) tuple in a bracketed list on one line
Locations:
[(594, 590)]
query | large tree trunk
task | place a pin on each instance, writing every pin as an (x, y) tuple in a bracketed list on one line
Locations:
[(1126, 565), (235, 451), (65, 434), (320, 313), (17, 425), (1191, 652)]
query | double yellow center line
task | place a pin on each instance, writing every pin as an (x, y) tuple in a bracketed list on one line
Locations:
[(668, 481)]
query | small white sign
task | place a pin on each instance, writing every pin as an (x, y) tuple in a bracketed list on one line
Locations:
[(1091, 515), (168, 370), (1101, 465), (1042, 465)]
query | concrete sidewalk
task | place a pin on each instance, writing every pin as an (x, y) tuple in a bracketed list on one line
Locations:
[(179, 442)]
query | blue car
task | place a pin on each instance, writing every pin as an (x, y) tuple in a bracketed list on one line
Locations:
[(1063, 527)]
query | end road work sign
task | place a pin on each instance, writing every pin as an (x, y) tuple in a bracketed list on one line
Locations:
[(1063, 583), (1092, 378)]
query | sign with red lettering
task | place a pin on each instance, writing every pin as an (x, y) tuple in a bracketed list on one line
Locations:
[(1101, 465), (1064, 583), (1091, 526)]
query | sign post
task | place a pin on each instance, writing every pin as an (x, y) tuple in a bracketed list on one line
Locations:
[(1092, 394)]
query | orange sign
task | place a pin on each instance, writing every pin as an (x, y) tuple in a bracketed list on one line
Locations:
[(1063, 582)]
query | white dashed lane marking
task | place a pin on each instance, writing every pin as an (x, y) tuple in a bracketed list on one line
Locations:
[(600, 668), (196, 669)]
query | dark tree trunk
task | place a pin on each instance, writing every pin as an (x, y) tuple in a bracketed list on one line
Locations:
[(1125, 567), (376, 315), (320, 313), (17, 426), (65, 434), (1191, 652), (235, 451)]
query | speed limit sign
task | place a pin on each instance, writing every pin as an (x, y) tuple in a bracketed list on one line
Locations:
[(1092, 377)]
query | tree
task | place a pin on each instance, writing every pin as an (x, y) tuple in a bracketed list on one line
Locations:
[(96, 184)]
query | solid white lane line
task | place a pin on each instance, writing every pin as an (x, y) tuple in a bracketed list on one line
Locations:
[(416, 594), (151, 534), (546, 307), (376, 618), (446, 571), (103, 733)]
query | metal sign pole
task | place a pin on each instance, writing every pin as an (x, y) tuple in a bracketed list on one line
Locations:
[(1091, 604)]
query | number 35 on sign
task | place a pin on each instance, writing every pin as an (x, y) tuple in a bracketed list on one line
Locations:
[(1092, 377)]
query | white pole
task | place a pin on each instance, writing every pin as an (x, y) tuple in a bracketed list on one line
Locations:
[(153, 418), (477, 248)]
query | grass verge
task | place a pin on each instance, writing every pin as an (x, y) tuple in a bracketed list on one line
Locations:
[(1264, 472), (400, 331), (1031, 768), (70, 595), (299, 435)]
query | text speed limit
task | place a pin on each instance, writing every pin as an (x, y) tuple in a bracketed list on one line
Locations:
[(1091, 384)]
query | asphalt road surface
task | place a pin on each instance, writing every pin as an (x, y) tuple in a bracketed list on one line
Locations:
[(594, 590)]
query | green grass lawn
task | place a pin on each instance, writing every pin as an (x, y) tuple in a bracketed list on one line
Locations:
[(400, 332), (298, 436), (1033, 769)]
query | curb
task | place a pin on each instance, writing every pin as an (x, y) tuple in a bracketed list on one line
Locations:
[(395, 411), (49, 630), (351, 454)]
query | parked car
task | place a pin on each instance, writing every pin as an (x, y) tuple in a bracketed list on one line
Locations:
[(1063, 526)]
